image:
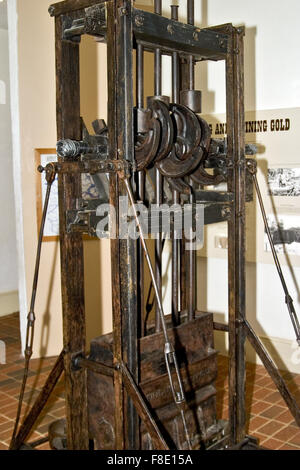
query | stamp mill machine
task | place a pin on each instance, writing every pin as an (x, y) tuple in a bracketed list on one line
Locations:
[(150, 384)]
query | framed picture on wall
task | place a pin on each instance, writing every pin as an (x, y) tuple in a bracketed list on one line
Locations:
[(51, 231), (89, 191)]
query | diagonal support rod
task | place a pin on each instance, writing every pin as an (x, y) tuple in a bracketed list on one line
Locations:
[(288, 299), (273, 371), (39, 404), (142, 408)]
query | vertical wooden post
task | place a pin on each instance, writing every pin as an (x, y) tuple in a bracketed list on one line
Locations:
[(71, 245), (236, 232), (123, 251)]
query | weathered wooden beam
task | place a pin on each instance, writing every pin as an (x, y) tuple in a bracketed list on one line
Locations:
[(216, 212), (98, 367), (236, 233), (123, 251), (169, 34), (68, 6), (156, 30), (114, 244), (40, 402), (213, 196), (221, 326), (71, 244)]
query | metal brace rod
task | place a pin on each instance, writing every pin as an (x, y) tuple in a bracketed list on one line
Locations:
[(142, 408), (251, 165), (122, 167), (50, 177)]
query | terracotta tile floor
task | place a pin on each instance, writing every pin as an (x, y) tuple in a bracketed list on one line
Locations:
[(269, 418)]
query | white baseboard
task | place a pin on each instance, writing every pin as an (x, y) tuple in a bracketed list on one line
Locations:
[(285, 353), (9, 303)]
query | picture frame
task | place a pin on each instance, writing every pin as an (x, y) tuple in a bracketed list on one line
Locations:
[(43, 156)]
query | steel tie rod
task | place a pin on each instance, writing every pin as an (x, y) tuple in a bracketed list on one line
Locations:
[(50, 176), (288, 299)]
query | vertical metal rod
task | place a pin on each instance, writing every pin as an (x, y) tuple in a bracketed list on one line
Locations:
[(191, 11), (157, 7), (175, 265), (157, 57), (158, 178), (176, 196), (191, 256), (191, 20), (175, 62), (140, 76), (158, 247), (141, 180)]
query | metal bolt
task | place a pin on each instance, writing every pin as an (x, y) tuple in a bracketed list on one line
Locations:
[(51, 10), (123, 11), (139, 20), (225, 211), (170, 29)]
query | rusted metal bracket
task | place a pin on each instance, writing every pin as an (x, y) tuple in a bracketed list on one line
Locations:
[(93, 23), (122, 167), (68, 6)]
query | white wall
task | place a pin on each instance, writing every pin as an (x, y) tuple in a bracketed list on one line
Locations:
[(272, 78), (272, 65), (8, 257)]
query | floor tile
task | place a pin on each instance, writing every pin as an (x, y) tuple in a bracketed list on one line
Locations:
[(268, 418)]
